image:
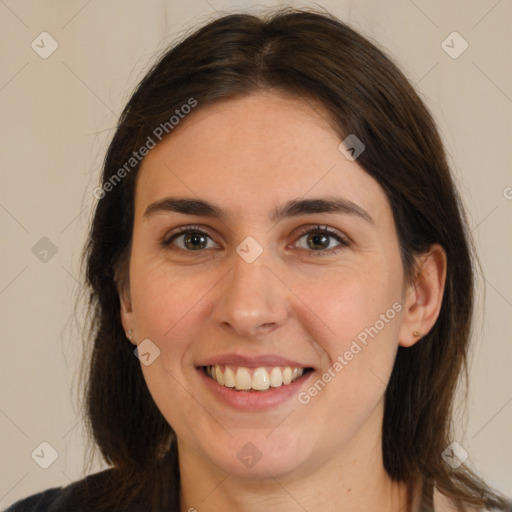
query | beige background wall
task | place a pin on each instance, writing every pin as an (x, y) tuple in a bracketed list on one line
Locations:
[(58, 115)]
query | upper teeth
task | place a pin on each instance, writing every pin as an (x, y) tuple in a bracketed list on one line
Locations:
[(241, 378)]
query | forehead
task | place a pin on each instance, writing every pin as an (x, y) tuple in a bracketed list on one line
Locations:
[(252, 153)]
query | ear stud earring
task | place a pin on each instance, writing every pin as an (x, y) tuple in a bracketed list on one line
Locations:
[(416, 333), (129, 335)]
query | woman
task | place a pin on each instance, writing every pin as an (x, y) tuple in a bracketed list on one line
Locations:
[(281, 285)]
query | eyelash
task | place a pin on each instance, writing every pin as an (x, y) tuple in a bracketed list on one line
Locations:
[(343, 242)]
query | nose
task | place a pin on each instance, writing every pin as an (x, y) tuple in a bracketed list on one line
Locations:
[(252, 300)]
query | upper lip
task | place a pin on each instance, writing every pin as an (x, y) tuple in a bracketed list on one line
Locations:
[(251, 362)]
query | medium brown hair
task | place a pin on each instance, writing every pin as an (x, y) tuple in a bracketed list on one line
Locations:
[(313, 56)]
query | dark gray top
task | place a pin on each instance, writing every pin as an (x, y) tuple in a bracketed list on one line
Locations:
[(64, 499)]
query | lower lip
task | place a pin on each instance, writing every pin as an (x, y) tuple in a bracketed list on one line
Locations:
[(254, 400)]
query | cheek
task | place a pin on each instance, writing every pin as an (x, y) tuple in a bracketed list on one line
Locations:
[(366, 318), (163, 298), (164, 303), (360, 314), (352, 304)]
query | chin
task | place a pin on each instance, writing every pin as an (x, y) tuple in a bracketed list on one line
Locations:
[(255, 454)]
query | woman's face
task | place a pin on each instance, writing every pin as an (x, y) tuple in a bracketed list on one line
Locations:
[(255, 292)]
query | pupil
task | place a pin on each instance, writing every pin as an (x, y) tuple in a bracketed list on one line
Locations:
[(194, 238), (316, 237)]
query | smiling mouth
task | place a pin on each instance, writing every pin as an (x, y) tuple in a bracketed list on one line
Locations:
[(240, 378)]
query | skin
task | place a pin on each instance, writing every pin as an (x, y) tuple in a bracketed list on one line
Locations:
[(249, 156)]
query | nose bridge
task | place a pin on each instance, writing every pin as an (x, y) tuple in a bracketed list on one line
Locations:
[(252, 300)]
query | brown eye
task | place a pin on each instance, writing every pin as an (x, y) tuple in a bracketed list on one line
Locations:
[(320, 239), (188, 239), (194, 241)]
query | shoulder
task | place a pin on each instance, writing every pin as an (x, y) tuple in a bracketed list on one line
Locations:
[(36, 502), (61, 499)]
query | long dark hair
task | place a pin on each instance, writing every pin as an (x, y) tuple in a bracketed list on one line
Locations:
[(313, 56)]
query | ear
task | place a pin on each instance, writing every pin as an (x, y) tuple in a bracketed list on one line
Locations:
[(126, 311), (423, 296)]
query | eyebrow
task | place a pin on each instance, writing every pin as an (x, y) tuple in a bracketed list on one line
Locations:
[(293, 208)]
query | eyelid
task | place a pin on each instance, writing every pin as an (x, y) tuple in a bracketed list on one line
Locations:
[(181, 230), (324, 229), (343, 239)]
